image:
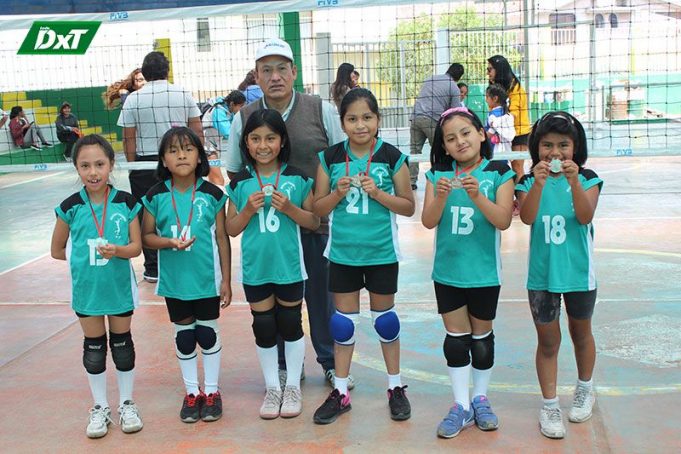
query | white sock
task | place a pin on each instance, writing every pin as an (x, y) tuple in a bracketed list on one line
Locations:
[(211, 372), (552, 403), (585, 384), (481, 381), (295, 355), (126, 382), (394, 381), (341, 385), (269, 363), (190, 374), (460, 378), (98, 389)]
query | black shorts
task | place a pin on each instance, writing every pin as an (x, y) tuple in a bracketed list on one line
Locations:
[(201, 309), (283, 292), (545, 306), (379, 279), (522, 139), (122, 314), (481, 301)]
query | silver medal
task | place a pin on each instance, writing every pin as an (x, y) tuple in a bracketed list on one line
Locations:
[(555, 165), (101, 242), (456, 183), (268, 190), (356, 181)]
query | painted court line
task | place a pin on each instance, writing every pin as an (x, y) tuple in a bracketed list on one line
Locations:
[(25, 263), (31, 180)]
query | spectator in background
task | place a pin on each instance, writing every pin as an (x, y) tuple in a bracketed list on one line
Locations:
[(121, 89), (26, 134), (145, 117), (68, 129), (250, 88), (438, 93), (463, 89), (3, 118), (355, 79), (217, 123), (342, 84)]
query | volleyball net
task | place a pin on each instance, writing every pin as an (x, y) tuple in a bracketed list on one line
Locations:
[(615, 65)]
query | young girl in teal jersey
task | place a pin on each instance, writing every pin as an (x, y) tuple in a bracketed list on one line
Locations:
[(558, 199), (469, 199), (184, 219), (269, 201), (97, 232), (361, 184)]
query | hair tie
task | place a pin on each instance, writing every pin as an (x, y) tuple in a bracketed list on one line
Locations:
[(452, 110)]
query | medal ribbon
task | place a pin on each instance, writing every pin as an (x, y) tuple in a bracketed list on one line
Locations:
[(183, 237), (100, 228), (276, 181), (459, 172), (371, 155)]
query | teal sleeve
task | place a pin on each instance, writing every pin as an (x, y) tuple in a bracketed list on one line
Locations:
[(307, 187), (506, 176), (232, 195), (134, 212), (222, 122), (323, 162), (524, 186), (430, 176), (66, 217), (403, 159), (150, 205), (221, 202), (588, 184)]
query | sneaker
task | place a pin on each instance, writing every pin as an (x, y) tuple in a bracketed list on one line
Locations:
[(551, 422), (456, 419), (36, 147), (283, 374), (292, 404), (582, 404), (334, 405), (191, 408), (400, 409), (150, 276), (271, 405), (129, 420), (98, 424), (212, 407), (330, 375), (485, 418), (47, 144)]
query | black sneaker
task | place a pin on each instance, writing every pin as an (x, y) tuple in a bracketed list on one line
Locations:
[(400, 409), (191, 408), (150, 276), (212, 407), (334, 405)]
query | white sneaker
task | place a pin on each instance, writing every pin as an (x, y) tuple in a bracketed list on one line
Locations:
[(551, 422), (582, 404), (330, 375), (98, 424), (271, 405), (130, 420), (292, 404)]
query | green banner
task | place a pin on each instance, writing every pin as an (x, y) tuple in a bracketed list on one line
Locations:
[(59, 37)]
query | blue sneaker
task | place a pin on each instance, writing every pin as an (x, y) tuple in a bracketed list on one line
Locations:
[(484, 416), (456, 419)]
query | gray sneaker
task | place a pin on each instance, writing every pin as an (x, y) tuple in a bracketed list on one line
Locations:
[(330, 375), (551, 422), (283, 373), (582, 404), (98, 423), (271, 405), (292, 404)]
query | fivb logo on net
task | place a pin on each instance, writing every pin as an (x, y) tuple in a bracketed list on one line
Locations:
[(59, 37)]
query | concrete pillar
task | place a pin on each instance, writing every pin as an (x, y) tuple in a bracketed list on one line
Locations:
[(325, 69)]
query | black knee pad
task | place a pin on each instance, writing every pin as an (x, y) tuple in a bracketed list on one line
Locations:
[(207, 336), (122, 351), (265, 328), (94, 354), (482, 352), (290, 322), (457, 350), (185, 341)]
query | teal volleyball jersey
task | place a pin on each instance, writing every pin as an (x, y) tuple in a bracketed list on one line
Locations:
[(194, 272), (361, 230), (561, 249), (271, 250), (467, 245), (99, 286)]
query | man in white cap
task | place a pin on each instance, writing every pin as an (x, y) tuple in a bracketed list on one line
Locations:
[(312, 126)]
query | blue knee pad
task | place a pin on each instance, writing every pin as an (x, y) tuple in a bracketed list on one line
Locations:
[(122, 351), (386, 324), (457, 349), (94, 354), (342, 327), (185, 341), (482, 351), (208, 336)]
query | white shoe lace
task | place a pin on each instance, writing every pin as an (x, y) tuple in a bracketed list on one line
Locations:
[(581, 394), (292, 394), (272, 398), (128, 412), (554, 416), (99, 416)]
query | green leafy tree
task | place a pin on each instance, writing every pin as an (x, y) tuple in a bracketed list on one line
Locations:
[(407, 58)]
